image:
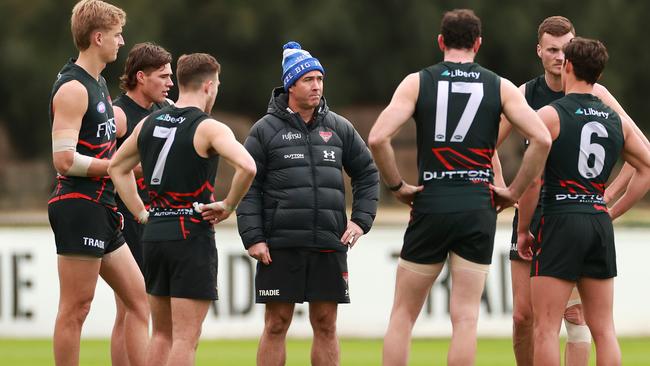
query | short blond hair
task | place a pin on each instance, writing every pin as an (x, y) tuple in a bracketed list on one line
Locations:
[(89, 16)]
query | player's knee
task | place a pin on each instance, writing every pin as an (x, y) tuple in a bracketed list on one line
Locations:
[(277, 325), (464, 319), (75, 311), (522, 319), (137, 309), (577, 333), (324, 324)]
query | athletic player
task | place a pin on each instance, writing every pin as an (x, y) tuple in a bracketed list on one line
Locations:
[(553, 33), (82, 209), (457, 106), (145, 81), (179, 147), (576, 238)]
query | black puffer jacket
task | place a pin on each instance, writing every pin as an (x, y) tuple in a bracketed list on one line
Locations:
[(298, 197)]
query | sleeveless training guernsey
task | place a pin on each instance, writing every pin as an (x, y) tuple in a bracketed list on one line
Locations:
[(96, 138), (134, 114), (175, 175), (457, 119), (582, 157)]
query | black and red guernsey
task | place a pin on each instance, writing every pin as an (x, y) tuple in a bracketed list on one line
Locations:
[(96, 138), (134, 114), (457, 117), (582, 156), (175, 175)]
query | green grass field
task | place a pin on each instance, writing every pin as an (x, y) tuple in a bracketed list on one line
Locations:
[(498, 351)]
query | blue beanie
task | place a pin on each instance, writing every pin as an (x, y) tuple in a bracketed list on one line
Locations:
[(295, 63)]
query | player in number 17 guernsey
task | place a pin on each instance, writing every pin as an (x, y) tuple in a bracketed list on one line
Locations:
[(454, 160)]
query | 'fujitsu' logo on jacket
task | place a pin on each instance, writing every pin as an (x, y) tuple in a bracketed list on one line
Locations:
[(291, 136)]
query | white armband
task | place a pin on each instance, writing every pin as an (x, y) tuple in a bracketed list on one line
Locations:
[(80, 165), (64, 140)]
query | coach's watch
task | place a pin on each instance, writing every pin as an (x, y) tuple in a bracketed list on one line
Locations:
[(396, 188)]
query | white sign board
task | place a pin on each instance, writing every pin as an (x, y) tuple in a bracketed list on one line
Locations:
[(29, 289)]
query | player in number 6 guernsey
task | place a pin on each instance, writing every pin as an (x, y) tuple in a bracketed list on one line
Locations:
[(575, 241), (456, 105)]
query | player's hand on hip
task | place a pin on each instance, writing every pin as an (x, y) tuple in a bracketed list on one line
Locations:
[(406, 193), (260, 251), (503, 198), (352, 233), (214, 212), (524, 245)]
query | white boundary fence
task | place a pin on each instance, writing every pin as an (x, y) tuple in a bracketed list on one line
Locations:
[(29, 289)]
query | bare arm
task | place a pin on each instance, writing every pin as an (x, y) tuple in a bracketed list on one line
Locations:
[(498, 172), (504, 125), (617, 186), (637, 155), (122, 129), (125, 159), (530, 197), (120, 121), (389, 122), (526, 121), (69, 105), (526, 208), (217, 137)]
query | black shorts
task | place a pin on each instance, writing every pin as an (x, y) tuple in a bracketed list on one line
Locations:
[(299, 275), (132, 232), (430, 237), (83, 227), (181, 268), (575, 245), (534, 229)]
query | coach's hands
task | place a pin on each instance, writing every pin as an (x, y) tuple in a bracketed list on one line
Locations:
[(352, 233), (260, 251), (406, 193), (524, 245)]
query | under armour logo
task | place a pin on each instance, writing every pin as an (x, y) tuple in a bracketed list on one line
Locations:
[(328, 155)]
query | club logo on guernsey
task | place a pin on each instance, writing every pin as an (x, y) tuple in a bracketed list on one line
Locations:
[(167, 118), (591, 112), (461, 73), (101, 107), (275, 292)]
